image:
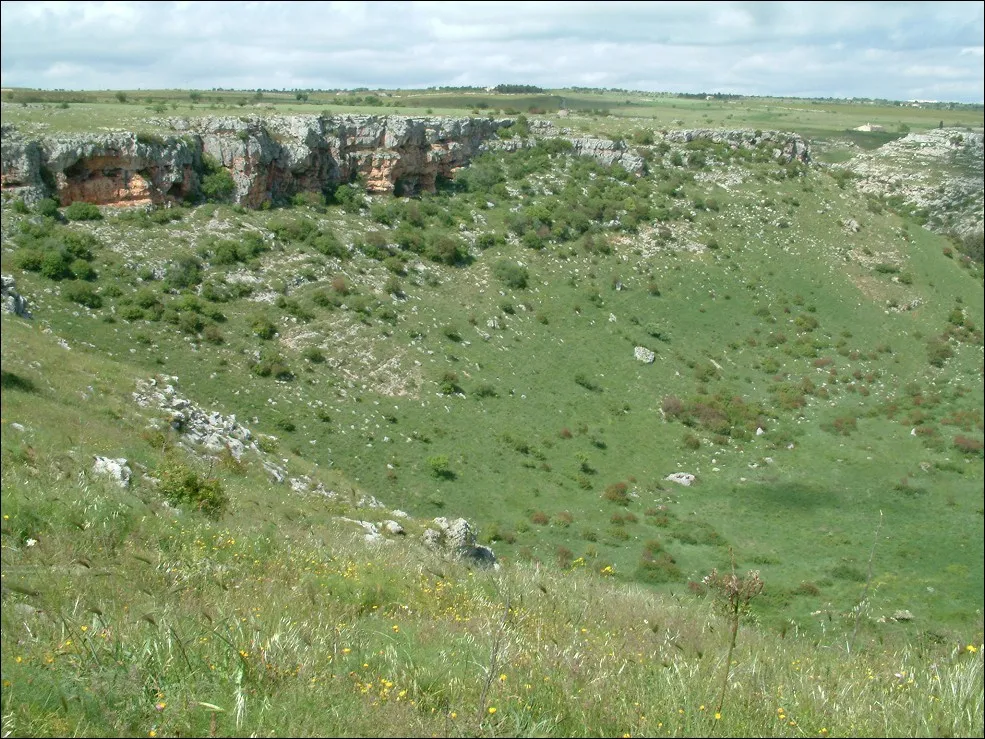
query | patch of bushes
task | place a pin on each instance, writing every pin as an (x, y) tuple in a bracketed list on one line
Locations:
[(82, 293), (511, 274), (617, 492), (83, 212), (181, 485), (217, 182)]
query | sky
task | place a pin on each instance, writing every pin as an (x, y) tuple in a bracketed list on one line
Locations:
[(889, 50)]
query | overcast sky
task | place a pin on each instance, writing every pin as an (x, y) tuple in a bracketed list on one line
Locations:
[(894, 50)]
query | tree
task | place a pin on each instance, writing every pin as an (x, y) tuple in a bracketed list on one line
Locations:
[(121, 96), (195, 96)]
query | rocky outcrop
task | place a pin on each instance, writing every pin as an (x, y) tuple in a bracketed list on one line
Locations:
[(113, 168), (786, 147), (117, 470), (458, 539), (609, 153), (938, 173), (13, 302), (270, 159)]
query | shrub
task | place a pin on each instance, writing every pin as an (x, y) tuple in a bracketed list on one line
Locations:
[(83, 294), (691, 441), (657, 567), (617, 492), (55, 265), (272, 364), (968, 445), (263, 327), (184, 272), (350, 197), (564, 557), (511, 274), (540, 518), (672, 406), (47, 208), (83, 212), (217, 182), (182, 485), (564, 519), (439, 467)]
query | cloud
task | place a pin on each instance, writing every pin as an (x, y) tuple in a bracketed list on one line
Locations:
[(828, 49)]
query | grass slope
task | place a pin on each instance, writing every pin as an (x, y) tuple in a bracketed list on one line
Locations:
[(816, 365)]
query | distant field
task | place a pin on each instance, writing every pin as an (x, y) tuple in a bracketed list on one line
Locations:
[(608, 113)]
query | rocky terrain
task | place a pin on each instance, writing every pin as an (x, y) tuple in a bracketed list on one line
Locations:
[(938, 172), (272, 159)]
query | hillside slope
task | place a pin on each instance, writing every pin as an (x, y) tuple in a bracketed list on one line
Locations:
[(548, 346)]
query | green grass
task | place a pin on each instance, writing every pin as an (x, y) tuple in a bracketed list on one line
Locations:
[(461, 389), (613, 113)]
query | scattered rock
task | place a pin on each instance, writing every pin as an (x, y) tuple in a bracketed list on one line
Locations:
[(115, 469), (681, 478), (644, 355)]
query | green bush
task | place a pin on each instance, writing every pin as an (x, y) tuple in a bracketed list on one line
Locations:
[(184, 272), (439, 467), (55, 265), (182, 485), (511, 274), (350, 197), (47, 208), (82, 293), (263, 327), (83, 212), (217, 182)]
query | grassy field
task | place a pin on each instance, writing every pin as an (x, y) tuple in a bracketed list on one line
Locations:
[(473, 353), (611, 113)]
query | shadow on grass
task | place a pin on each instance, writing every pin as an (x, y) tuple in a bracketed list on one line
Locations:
[(792, 495), (12, 381)]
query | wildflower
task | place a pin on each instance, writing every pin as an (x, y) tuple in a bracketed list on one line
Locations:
[(492, 710), (454, 715), (396, 629), (18, 660), (718, 716), (30, 542), (971, 648), (151, 733), (502, 678), (160, 705)]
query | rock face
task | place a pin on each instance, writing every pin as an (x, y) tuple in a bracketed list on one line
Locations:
[(114, 168), (13, 302), (269, 159), (273, 158)]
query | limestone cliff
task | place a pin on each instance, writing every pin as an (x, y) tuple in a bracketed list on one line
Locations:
[(269, 158), (272, 158)]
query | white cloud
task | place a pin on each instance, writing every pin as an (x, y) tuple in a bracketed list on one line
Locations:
[(832, 49)]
